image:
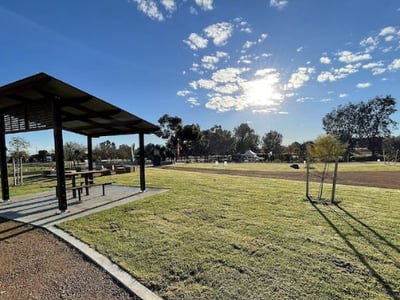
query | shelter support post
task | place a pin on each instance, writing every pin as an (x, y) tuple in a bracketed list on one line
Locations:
[(3, 160), (90, 155), (59, 154), (142, 162)]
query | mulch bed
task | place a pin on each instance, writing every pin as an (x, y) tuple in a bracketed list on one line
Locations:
[(34, 264)]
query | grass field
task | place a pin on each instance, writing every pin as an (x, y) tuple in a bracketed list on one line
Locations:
[(230, 237)]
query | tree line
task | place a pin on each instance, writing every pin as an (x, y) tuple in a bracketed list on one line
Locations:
[(357, 125)]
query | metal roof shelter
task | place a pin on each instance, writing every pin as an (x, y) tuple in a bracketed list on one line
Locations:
[(42, 102)]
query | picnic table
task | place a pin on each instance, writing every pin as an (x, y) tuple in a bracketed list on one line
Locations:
[(88, 180)]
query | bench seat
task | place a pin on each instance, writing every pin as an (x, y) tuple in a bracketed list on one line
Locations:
[(80, 188)]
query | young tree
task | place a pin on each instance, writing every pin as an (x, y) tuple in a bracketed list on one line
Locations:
[(327, 149), (18, 152)]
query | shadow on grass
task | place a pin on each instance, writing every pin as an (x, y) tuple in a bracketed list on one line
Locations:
[(379, 236), (359, 255)]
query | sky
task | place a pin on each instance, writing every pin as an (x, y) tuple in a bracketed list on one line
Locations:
[(274, 64)]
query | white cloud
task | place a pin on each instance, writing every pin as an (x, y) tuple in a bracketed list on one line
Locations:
[(229, 88), (248, 44), (343, 95), (195, 41), (326, 76), (193, 11), (363, 85), (193, 101), (195, 67), (325, 60), (349, 57), (169, 5), (262, 37), (219, 32), (243, 26), (206, 84), (372, 65), (299, 78), (339, 73), (228, 75), (149, 7), (299, 49), (202, 83), (209, 62), (280, 4), (266, 55), (376, 68), (245, 59), (388, 30), (304, 99), (265, 72), (183, 93), (369, 43), (224, 103), (378, 71), (273, 110), (395, 64), (205, 4)]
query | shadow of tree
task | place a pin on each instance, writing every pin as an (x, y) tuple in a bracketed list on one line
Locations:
[(361, 257), (379, 236)]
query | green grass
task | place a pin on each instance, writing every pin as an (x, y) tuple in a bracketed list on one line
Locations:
[(230, 237)]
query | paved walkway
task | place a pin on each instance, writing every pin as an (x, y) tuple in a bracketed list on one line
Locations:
[(42, 210)]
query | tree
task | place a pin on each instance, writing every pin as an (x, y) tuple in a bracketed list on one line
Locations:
[(105, 150), (327, 149), (18, 153), (170, 128), (272, 143), (245, 138), (367, 122), (220, 141), (74, 152), (187, 136), (391, 148), (124, 152), (18, 148)]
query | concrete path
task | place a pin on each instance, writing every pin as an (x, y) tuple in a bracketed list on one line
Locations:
[(42, 210)]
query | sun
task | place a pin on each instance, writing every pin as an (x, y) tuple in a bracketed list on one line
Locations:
[(261, 93)]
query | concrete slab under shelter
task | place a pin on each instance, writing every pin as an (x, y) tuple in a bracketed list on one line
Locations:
[(41, 209)]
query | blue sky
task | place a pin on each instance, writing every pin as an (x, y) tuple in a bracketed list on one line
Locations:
[(275, 64)]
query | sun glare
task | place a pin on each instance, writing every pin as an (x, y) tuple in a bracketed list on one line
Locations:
[(261, 92)]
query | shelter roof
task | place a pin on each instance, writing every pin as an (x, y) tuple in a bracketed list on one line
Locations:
[(27, 106)]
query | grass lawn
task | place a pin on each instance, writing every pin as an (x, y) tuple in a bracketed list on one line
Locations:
[(231, 237)]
